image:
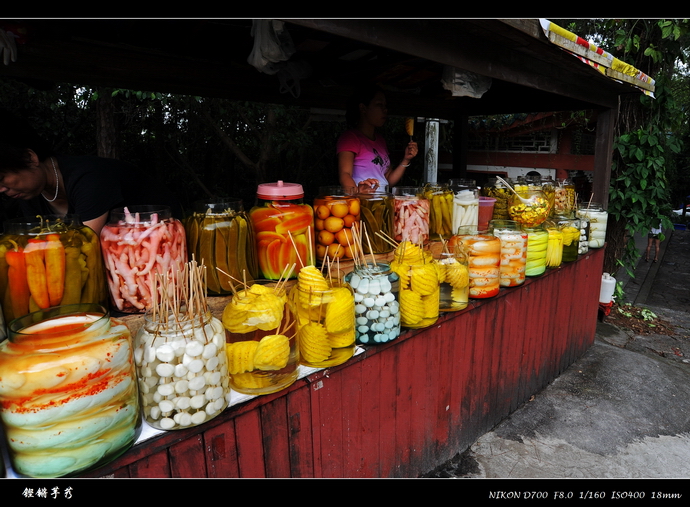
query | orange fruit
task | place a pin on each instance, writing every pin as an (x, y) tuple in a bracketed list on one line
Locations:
[(344, 237), (354, 207), (340, 209), (349, 220), (333, 224), (335, 251), (321, 251), (318, 224), (323, 212), (325, 238)]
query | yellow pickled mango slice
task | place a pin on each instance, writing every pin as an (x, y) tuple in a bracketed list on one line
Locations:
[(313, 343), (408, 253), (340, 312), (272, 353), (241, 356), (457, 275), (403, 271), (310, 278)]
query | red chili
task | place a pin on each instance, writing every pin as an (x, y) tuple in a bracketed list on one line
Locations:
[(17, 280)]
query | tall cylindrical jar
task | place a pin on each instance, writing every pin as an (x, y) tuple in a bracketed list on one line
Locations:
[(465, 208), (336, 216), (68, 390), (139, 243), (376, 215), (377, 311), (261, 344), (411, 215), (453, 276), (513, 251), (598, 219), (537, 245), (182, 368), (54, 261), (564, 199), (420, 292), (570, 228), (440, 199), (484, 260), (554, 246), (496, 189), (284, 229), (220, 235)]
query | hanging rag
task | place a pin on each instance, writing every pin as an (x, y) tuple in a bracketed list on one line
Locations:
[(272, 45)]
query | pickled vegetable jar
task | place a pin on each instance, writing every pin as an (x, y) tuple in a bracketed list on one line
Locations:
[(454, 276), (537, 243), (68, 390), (336, 214), (220, 235), (564, 198), (283, 229), (411, 215), (598, 219), (484, 258), (532, 212), (502, 194), (139, 243), (377, 311), (465, 208), (440, 199), (513, 251), (182, 369), (554, 246), (51, 262), (324, 311), (570, 228), (377, 217), (261, 343)]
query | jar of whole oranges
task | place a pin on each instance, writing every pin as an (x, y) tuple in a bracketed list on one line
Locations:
[(336, 213)]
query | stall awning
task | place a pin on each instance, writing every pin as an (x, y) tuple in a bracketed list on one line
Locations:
[(596, 57)]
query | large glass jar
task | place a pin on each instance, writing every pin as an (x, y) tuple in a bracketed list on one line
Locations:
[(537, 244), (261, 344), (68, 390), (554, 246), (336, 216), (484, 259), (570, 228), (182, 369), (284, 229), (496, 189), (453, 276), (377, 311), (138, 244), (513, 251), (530, 208), (420, 292), (564, 199), (440, 199), (49, 262), (376, 215), (465, 208), (411, 215), (220, 235), (598, 219), (324, 311)]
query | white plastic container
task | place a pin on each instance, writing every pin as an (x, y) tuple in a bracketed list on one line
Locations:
[(608, 286)]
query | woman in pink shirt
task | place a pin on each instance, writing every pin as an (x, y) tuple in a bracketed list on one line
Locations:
[(363, 159)]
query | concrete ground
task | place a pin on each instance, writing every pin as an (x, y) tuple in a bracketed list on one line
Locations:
[(621, 411)]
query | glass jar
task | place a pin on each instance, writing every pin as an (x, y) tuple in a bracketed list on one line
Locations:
[(377, 311), (376, 215), (502, 194), (513, 251), (564, 198), (182, 369), (531, 213), (139, 243), (336, 215), (68, 390), (262, 348), (583, 245), (570, 228), (554, 245), (283, 228), (52, 262), (419, 294), (465, 208), (537, 244), (483, 262), (598, 219), (325, 317), (410, 215), (220, 235), (440, 199), (454, 276), (548, 186)]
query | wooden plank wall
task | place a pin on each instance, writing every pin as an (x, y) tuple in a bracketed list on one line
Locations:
[(401, 409)]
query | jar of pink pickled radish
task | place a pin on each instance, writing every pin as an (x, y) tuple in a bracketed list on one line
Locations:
[(138, 243), (410, 215)]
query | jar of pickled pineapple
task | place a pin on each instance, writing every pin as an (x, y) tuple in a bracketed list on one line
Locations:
[(336, 216), (598, 219), (68, 391), (411, 215), (220, 235), (377, 311), (440, 199), (261, 344), (376, 216), (513, 251), (496, 189), (483, 262), (537, 244), (454, 279), (50, 261)]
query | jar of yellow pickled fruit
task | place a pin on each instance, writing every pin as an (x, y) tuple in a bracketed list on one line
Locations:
[(554, 246), (220, 235), (336, 216), (261, 344), (376, 217), (68, 391), (454, 280), (440, 199), (537, 242), (530, 208), (513, 251)]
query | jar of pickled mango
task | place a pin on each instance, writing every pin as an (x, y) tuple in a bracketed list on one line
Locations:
[(261, 343), (513, 251), (283, 230), (564, 198), (324, 312), (376, 217), (537, 244), (138, 244), (530, 208), (554, 245), (336, 215), (454, 279), (68, 391), (220, 235), (598, 219), (410, 215), (440, 199), (49, 261), (377, 311), (570, 228), (502, 194), (483, 262), (465, 208)]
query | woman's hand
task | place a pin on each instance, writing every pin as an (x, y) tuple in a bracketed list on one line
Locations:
[(368, 186), (411, 151)]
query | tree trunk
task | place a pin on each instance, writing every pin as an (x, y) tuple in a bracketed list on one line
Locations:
[(106, 132)]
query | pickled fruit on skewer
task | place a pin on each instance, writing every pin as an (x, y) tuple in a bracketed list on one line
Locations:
[(409, 126)]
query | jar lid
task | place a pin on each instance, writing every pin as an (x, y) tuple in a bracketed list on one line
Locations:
[(280, 190)]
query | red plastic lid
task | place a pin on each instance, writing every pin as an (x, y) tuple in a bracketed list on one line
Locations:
[(280, 190)]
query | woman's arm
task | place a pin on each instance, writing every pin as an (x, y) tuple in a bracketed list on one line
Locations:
[(97, 223), (394, 175)]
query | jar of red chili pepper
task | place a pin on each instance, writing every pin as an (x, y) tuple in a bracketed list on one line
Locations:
[(49, 262)]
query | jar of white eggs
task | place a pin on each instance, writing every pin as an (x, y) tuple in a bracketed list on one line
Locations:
[(182, 367), (377, 312)]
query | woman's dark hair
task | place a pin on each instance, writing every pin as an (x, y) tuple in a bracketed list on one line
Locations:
[(362, 95), (16, 137)]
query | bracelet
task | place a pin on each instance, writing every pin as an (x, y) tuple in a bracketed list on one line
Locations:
[(408, 165)]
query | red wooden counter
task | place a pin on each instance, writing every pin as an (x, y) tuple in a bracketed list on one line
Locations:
[(400, 409)]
